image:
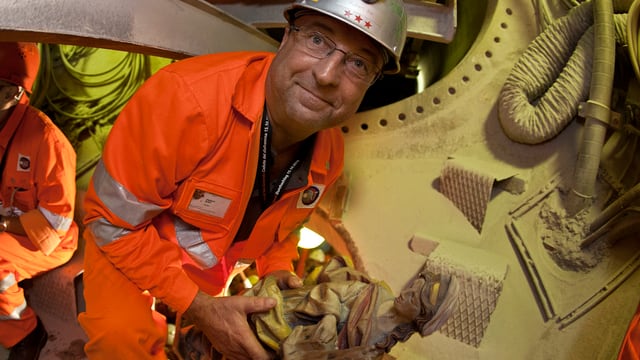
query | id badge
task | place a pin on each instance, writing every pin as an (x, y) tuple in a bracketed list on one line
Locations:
[(209, 203)]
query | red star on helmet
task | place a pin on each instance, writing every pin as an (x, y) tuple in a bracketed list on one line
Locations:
[(358, 18)]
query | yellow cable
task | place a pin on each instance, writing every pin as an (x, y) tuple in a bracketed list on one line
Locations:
[(76, 113), (632, 36)]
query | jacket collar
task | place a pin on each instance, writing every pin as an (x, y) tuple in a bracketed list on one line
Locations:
[(249, 94)]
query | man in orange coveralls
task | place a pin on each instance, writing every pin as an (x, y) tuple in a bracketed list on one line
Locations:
[(37, 190), (216, 162), (630, 349)]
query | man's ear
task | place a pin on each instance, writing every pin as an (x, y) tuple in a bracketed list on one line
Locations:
[(287, 31)]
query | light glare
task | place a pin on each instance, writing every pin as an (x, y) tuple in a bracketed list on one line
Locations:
[(309, 239)]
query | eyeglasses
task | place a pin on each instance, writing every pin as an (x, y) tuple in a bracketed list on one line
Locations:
[(320, 46)]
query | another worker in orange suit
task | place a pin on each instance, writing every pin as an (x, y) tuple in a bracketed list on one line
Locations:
[(214, 164), (630, 349), (37, 191)]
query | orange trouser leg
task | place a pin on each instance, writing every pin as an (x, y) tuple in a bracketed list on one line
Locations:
[(17, 319), (118, 319), (630, 349), (19, 260)]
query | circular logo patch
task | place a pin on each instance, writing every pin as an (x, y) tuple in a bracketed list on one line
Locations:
[(310, 195), (24, 163)]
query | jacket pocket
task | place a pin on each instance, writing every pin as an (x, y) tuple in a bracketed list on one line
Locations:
[(207, 205), (23, 199)]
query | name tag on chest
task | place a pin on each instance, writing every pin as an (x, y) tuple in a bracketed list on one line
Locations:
[(209, 203)]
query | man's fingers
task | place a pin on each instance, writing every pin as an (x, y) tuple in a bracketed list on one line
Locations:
[(294, 282), (286, 279), (258, 303)]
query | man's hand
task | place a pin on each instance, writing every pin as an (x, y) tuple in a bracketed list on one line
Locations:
[(286, 279), (224, 321)]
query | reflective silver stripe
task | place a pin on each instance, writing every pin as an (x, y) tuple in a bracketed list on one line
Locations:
[(191, 241), (119, 200), (105, 233), (7, 282), (57, 222), (16, 313)]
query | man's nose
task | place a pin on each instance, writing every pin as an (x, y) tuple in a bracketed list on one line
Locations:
[(328, 71)]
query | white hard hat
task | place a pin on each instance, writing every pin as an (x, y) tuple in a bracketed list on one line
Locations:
[(385, 21)]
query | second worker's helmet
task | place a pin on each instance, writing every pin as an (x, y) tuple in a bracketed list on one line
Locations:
[(19, 63), (385, 21)]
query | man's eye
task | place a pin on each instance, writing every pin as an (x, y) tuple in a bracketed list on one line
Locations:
[(317, 39), (359, 63)]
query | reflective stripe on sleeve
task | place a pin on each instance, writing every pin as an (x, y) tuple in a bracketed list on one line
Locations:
[(120, 201), (56, 221), (7, 282), (190, 239), (16, 313), (105, 233)]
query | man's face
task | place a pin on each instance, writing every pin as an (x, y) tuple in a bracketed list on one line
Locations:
[(307, 93)]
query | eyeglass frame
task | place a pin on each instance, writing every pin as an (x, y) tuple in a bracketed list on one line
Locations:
[(377, 74)]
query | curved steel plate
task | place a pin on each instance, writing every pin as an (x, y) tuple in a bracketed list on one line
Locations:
[(170, 28)]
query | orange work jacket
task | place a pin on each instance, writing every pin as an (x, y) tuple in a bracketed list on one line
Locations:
[(630, 349), (179, 167), (38, 180)]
